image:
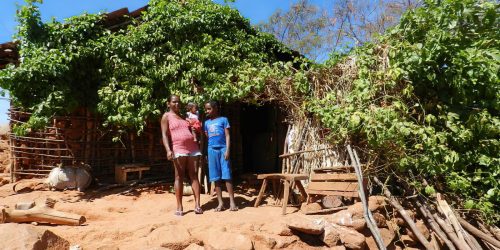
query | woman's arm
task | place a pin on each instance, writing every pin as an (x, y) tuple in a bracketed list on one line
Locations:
[(164, 134)]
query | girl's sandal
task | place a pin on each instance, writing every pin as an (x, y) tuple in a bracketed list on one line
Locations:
[(178, 213), (198, 210), (234, 209)]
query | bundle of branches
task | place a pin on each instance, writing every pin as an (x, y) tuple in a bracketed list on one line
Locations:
[(441, 220)]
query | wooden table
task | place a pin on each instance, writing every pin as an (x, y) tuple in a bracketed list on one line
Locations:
[(122, 170), (287, 179)]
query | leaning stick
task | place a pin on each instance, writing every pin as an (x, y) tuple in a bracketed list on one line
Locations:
[(404, 214), (476, 232), (367, 213)]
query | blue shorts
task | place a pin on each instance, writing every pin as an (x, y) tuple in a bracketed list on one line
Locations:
[(218, 166)]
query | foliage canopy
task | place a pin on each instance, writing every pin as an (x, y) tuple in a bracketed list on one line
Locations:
[(197, 49)]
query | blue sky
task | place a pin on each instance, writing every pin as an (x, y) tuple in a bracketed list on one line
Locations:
[(255, 10)]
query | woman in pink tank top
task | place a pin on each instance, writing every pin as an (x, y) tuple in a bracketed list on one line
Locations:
[(182, 150)]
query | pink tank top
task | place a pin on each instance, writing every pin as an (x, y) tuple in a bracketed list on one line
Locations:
[(180, 134)]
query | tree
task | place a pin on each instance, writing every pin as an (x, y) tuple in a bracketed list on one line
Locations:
[(337, 28)]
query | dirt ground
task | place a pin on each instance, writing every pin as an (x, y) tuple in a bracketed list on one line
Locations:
[(132, 221)]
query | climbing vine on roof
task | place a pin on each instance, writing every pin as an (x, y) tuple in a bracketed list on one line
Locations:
[(197, 49)]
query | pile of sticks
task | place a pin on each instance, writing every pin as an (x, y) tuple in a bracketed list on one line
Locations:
[(452, 230)]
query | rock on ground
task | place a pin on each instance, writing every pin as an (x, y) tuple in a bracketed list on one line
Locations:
[(331, 201), (306, 226), (194, 246), (349, 237), (26, 236), (387, 236), (225, 240), (346, 218), (277, 228), (165, 236), (311, 207)]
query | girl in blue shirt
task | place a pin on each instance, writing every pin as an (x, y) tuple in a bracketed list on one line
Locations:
[(216, 128)]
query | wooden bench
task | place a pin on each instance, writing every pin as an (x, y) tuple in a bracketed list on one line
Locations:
[(122, 170), (333, 181), (287, 179)]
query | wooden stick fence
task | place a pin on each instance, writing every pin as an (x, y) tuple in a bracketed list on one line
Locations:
[(80, 138)]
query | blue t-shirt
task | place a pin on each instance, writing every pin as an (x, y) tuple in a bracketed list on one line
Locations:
[(214, 128)]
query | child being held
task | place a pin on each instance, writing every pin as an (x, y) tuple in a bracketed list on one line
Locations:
[(192, 118)]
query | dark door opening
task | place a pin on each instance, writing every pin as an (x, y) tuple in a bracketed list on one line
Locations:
[(263, 135)]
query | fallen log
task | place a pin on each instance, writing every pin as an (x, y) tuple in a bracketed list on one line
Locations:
[(43, 213), (404, 214), (476, 232)]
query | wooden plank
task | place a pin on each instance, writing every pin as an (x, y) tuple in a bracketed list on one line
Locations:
[(283, 176), (333, 177), (339, 193), (333, 169), (333, 186), (135, 169)]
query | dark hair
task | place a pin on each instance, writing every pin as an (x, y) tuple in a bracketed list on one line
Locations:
[(172, 96), (213, 104), (191, 105)]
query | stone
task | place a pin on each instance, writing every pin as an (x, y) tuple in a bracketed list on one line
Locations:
[(26, 236), (311, 207), (263, 241), (277, 228), (380, 220), (24, 205), (226, 240), (345, 218), (330, 236), (331, 201), (306, 226), (285, 241), (194, 246), (350, 238), (3, 181), (174, 238), (376, 202), (387, 236)]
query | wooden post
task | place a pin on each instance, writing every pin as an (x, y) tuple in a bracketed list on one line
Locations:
[(285, 196), (13, 162), (261, 193)]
